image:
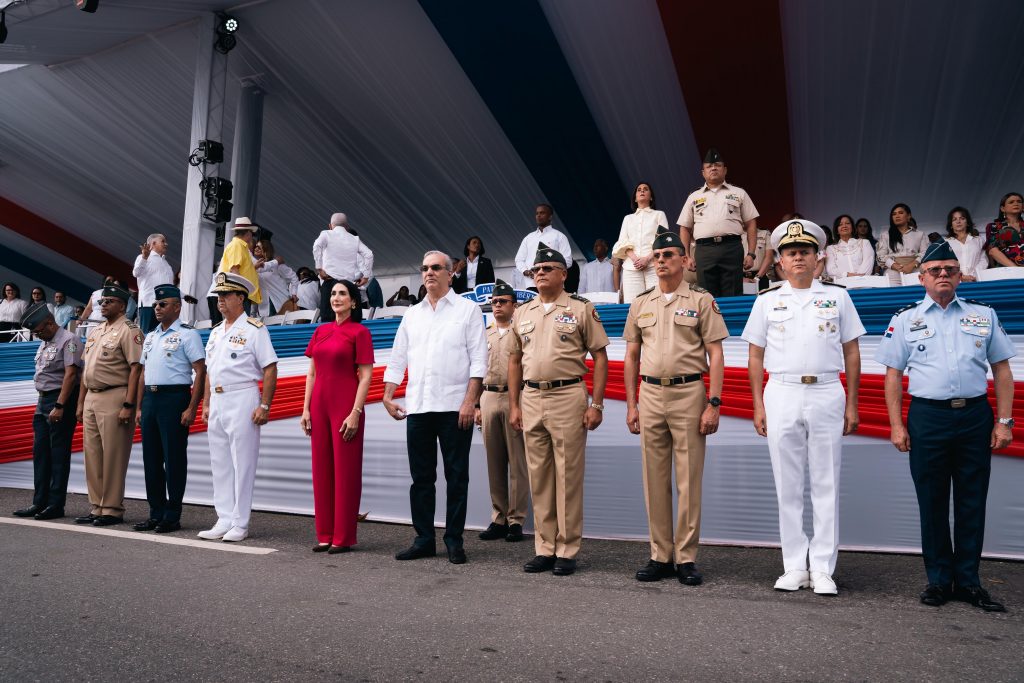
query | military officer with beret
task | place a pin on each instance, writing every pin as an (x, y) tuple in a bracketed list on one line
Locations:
[(673, 334), (948, 344), (548, 401), (171, 353), (506, 455), (58, 366), (106, 406), (804, 332), (716, 216), (239, 354)]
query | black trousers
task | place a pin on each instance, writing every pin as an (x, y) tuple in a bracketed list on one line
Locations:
[(720, 267), (424, 431), (165, 451), (950, 446), (147, 319), (51, 450)]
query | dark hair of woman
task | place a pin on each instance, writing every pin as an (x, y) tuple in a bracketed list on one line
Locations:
[(1002, 216), (971, 230), (17, 290), (42, 292), (895, 236), (353, 293), (465, 249), (632, 199)]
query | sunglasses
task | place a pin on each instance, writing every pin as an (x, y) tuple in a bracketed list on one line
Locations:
[(162, 304), (662, 254), (104, 302), (935, 270), (502, 302), (545, 269), (433, 266)]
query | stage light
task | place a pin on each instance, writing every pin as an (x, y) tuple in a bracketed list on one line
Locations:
[(216, 188), (226, 28), (87, 5), (208, 152), (231, 25), (217, 210)]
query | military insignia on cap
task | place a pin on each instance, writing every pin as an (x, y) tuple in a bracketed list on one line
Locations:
[(222, 278), (549, 253)]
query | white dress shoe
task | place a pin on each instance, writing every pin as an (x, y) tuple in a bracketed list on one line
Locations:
[(215, 533), (823, 584), (793, 580), (235, 534)]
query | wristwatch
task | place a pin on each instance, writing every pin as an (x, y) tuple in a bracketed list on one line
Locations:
[(597, 406), (715, 402), (128, 405), (264, 406), (751, 254), (58, 405), (1008, 421)]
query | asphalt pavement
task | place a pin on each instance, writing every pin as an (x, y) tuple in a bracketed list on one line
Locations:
[(109, 607)]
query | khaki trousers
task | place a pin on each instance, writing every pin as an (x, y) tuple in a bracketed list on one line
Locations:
[(556, 440), (670, 437), (107, 445), (506, 460)]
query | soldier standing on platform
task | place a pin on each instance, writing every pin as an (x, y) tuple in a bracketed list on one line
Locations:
[(948, 344), (674, 335), (58, 366), (106, 406), (506, 457), (170, 397), (553, 334)]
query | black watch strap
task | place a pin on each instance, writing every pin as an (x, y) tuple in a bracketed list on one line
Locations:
[(715, 401), (58, 405), (126, 404)]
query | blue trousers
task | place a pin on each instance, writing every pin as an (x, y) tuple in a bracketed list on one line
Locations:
[(949, 448), (147, 319), (165, 451), (424, 431), (51, 450)]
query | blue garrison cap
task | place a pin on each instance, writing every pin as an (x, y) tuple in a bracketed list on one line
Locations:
[(939, 251), (167, 292), (35, 315)]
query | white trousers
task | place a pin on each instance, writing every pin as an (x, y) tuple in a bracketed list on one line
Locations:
[(805, 430), (234, 450), (636, 281)]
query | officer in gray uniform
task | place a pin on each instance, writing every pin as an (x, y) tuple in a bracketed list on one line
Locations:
[(58, 371)]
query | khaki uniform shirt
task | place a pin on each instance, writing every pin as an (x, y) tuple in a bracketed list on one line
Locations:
[(55, 355), (498, 348), (555, 343), (674, 331), (713, 213), (110, 352)]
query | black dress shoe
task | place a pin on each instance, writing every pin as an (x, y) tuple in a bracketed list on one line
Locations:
[(688, 574), (166, 527), (148, 525), (107, 520), (655, 571), (457, 556), (337, 549), (515, 533), (51, 512), (85, 519), (979, 597), (564, 567), (934, 595), (321, 547), (30, 511), (541, 563), (493, 532), (415, 552)]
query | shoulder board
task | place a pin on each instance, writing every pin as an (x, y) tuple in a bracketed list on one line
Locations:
[(491, 325), (131, 324), (833, 284), (255, 322), (186, 326), (698, 289), (976, 302), (217, 325), (579, 298), (908, 307), (646, 291), (768, 289)]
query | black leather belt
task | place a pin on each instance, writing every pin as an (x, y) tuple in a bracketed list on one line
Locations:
[(718, 239), (49, 392), (99, 390), (553, 384), (950, 402), (496, 387), (669, 381), (169, 388)]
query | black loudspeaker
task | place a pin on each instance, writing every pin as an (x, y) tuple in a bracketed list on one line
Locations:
[(217, 210), (87, 5)]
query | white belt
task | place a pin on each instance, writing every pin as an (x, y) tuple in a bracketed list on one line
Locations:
[(224, 388), (826, 378)]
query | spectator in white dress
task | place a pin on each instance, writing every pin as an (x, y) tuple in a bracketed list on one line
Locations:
[(634, 244), (850, 256), (901, 248), (967, 244)]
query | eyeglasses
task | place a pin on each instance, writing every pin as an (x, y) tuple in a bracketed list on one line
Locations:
[(501, 302), (433, 266), (935, 270), (545, 269), (104, 302), (662, 254)]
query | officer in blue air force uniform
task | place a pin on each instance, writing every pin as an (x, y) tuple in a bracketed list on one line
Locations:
[(948, 343), (170, 354)]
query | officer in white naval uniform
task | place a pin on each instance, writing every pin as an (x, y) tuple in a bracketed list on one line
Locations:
[(804, 333), (238, 355)]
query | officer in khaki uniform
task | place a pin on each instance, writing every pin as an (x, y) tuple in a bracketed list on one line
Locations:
[(673, 334), (106, 407), (506, 456), (553, 334)]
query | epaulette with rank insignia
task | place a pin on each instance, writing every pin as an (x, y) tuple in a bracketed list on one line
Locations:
[(908, 307), (186, 326), (217, 325), (977, 303), (768, 289), (255, 322), (646, 291), (579, 298), (131, 324), (833, 284), (698, 289)]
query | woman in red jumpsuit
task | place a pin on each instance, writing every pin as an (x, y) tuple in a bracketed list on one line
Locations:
[(340, 366)]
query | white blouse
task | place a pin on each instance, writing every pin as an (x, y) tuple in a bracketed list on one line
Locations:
[(914, 243), (852, 256), (637, 233), (972, 254)]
